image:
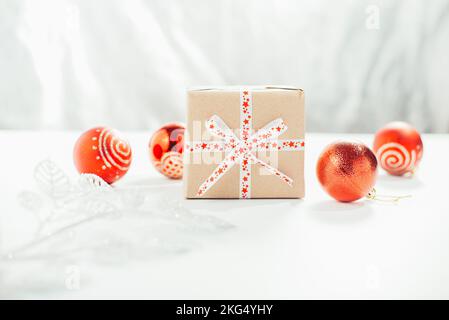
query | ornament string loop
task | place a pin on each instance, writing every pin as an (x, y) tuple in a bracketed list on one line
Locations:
[(372, 195)]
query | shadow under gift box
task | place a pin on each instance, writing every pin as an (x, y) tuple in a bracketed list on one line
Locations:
[(266, 104)]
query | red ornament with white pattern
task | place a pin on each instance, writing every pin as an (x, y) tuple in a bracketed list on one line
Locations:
[(399, 148), (166, 148), (104, 152)]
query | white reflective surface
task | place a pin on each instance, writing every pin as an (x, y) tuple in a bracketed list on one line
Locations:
[(174, 248)]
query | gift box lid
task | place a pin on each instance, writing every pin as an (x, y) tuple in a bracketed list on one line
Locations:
[(238, 88)]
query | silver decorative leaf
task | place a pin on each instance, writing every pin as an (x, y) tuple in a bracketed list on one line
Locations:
[(97, 207), (31, 200), (52, 179), (152, 219), (91, 182)]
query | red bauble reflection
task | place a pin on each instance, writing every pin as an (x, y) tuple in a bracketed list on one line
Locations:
[(347, 170), (166, 147), (102, 151), (399, 148)]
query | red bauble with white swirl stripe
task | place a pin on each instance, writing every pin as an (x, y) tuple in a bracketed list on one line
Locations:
[(399, 148), (104, 152)]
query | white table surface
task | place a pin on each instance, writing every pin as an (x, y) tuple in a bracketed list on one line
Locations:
[(273, 249)]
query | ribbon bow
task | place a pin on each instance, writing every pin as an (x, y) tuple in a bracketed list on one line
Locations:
[(242, 150)]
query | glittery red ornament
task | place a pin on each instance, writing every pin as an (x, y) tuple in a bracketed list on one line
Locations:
[(398, 147), (166, 147), (104, 152), (347, 170)]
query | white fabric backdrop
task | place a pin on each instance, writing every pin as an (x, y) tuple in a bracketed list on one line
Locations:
[(74, 64)]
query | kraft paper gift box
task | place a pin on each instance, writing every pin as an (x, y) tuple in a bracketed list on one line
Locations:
[(244, 143)]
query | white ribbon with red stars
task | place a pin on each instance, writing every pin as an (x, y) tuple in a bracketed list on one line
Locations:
[(242, 150)]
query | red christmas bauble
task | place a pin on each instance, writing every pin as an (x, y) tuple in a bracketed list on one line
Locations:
[(399, 148), (347, 170), (102, 151), (166, 147)]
